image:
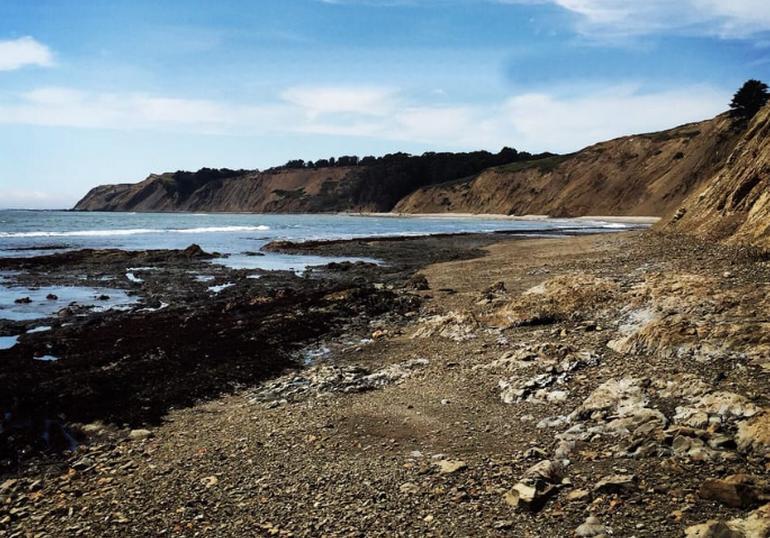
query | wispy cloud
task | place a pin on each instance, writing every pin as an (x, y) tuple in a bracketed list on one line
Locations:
[(66, 107), (534, 121), (623, 18), (733, 18), (22, 52), (318, 100)]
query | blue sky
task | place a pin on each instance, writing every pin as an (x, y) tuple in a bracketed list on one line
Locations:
[(96, 92)]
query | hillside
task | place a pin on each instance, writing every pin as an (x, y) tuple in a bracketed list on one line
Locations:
[(347, 184), (734, 205), (648, 174)]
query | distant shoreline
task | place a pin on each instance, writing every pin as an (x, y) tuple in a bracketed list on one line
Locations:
[(499, 216), (487, 216)]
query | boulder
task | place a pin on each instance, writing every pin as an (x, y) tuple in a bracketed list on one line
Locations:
[(739, 491), (754, 435)]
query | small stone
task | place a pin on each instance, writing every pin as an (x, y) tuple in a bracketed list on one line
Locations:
[(577, 495), (52, 297), (591, 528), (616, 484), (450, 466), (139, 434), (210, 481), (93, 427), (409, 488)]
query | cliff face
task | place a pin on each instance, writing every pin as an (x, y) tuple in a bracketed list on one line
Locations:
[(734, 205), (373, 185), (284, 190), (648, 174)]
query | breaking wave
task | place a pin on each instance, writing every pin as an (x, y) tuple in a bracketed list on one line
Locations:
[(137, 231)]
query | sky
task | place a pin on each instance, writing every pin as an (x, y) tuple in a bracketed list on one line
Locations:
[(95, 92)]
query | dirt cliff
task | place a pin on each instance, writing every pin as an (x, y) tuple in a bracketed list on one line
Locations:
[(371, 184), (734, 205), (647, 174)]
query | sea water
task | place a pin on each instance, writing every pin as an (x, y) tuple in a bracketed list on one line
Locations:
[(235, 234), (239, 236)]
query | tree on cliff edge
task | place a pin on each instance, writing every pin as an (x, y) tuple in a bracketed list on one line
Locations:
[(749, 99)]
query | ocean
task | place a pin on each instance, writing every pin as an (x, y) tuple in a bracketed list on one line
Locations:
[(34, 233)]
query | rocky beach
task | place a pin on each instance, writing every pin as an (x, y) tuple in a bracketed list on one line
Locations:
[(477, 384)]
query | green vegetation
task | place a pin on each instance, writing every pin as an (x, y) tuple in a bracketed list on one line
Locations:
[(290, 195), (544, 165), (749, 99)]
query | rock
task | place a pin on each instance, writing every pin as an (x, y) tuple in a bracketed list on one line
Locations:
[(8, 485), (139, 434), (419, 283), (539, 483), (323, 379), (622, 483), (755, 525), (754, 435), (23, 300), (577, 495), (712, 529), (591, 528), (453, 326), (450, 466), (739, 491), (93, 428), (210, 481), (195, 251), (52, 297), (409, 488)]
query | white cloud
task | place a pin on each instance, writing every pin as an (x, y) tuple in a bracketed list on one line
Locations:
[(544, 122), (317, 101), (620, 18), (18, 53), (65, 107), (726, 18), (532, 121)]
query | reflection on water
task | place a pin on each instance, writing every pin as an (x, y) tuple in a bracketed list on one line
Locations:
[(7, 342), (41, 306)]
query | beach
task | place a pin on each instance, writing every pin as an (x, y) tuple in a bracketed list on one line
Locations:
[(414, 396)]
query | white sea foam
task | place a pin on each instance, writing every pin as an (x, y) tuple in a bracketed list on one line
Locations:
[(138, 231)]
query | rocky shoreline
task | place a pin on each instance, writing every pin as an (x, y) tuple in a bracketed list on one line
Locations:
[(471, 385)]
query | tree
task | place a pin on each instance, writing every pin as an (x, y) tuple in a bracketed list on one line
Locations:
[(749, 99)]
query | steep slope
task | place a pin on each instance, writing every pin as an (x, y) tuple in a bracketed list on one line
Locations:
[(648, 174), (734, 205), (372, 184)]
